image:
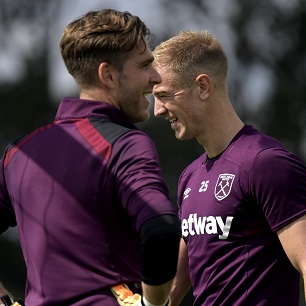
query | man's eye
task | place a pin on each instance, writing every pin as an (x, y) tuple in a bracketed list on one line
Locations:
[(164, 97)]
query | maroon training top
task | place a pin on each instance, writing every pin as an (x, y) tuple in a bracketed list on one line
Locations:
[(80, 190), (231, 207)]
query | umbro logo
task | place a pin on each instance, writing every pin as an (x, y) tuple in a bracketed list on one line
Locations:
[(186, 193)]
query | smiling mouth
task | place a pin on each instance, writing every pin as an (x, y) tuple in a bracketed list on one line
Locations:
[(174, 120)]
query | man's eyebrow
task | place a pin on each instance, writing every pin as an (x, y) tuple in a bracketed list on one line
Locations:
[(148, 61), (159, 92)]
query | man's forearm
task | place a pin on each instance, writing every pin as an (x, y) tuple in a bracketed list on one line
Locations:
[(157, 295)]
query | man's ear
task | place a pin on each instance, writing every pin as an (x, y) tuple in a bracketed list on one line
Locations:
[(107, 75), (204, 83)]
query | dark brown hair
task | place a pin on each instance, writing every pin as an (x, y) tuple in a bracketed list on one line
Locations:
[(100, 36)]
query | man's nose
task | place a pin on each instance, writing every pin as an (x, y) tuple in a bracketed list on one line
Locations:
[(159, 108)]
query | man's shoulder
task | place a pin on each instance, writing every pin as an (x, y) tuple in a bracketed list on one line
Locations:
[(111, 131), (245, 148), (193, 166)]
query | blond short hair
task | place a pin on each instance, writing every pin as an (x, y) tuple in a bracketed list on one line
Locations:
[(191, 53)]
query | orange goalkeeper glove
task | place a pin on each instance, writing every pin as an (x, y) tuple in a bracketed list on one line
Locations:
[(125, 296), (7, 301)]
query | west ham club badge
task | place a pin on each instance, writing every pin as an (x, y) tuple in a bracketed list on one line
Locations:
[(224, 185)]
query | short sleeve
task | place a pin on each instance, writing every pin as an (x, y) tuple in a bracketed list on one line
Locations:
[(278, 184)]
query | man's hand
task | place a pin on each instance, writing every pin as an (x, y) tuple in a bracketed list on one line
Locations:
[(125, 296), (7, 301)]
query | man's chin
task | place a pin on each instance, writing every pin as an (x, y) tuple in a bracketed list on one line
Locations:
[(181, 136)]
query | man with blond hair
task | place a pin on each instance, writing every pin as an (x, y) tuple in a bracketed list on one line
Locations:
[(242, 204)]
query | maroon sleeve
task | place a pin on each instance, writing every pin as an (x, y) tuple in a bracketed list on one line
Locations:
[(140, 183), (278, 183)]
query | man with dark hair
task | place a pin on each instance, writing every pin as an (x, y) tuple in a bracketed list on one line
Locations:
[(86, 191), (242, 203)]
